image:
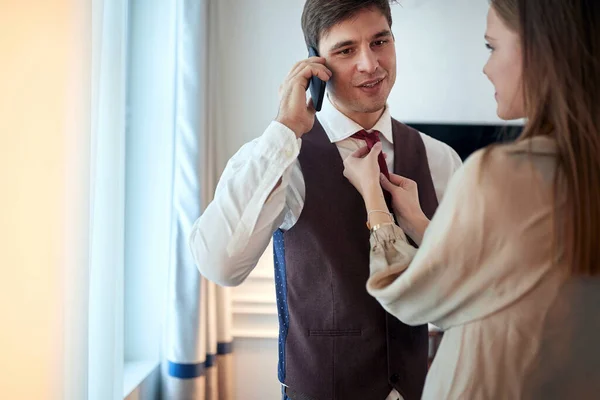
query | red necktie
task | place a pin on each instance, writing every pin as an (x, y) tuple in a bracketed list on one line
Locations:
[(371, 139)]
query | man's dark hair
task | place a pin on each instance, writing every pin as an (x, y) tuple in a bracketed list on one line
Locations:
[(321, 15)]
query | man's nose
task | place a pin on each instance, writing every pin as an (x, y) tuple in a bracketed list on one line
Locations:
[(368, 61)]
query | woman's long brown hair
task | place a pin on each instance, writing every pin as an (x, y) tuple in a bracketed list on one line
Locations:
[(560, 42)]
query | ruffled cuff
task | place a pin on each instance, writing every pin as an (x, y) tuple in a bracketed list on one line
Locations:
[(390, 255)]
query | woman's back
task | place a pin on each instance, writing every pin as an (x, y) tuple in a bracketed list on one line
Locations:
[(535, 335), (568, 354)]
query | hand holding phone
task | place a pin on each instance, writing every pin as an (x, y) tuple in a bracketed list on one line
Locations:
[(295, 112)]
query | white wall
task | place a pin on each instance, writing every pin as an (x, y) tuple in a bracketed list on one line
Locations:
[(441, 55), (440, 49)]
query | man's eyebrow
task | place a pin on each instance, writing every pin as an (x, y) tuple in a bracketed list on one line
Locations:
[(378, 35), (384, 33), (339, 45), (488, 37)]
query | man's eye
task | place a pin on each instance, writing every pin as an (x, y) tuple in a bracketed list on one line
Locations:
[(379, 42), (489, 47), (345, 52)]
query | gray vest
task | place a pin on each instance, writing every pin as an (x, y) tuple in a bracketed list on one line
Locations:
[(336, 342)]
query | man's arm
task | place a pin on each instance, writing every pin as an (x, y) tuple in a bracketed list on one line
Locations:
[(250, 201), (236, 227)]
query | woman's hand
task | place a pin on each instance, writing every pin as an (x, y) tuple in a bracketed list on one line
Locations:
[(405, 200), (362, 169)]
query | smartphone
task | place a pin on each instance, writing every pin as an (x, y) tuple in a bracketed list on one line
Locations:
[(316, 85)]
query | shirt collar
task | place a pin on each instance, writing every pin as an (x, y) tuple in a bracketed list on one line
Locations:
[(339, 127)]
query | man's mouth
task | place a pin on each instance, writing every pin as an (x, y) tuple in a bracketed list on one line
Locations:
[(371, 83)]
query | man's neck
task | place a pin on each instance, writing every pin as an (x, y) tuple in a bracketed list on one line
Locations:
[(366, 120)]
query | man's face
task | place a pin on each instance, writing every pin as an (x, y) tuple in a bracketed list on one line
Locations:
[(360, 53)]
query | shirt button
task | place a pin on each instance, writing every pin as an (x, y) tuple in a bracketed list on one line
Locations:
[(394, 378)]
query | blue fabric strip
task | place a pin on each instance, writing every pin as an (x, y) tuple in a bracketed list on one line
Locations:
[(210, 360), (224, 348), (186, 371), (191, 371), (282, 303)]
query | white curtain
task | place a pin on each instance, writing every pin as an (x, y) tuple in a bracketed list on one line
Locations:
[(197, 339), (197, 352), (93, 284), (107, 199), (66, 119)]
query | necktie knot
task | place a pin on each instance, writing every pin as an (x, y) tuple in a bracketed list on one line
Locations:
[(370, 137)]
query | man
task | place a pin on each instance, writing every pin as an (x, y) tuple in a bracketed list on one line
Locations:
[(336, 342)]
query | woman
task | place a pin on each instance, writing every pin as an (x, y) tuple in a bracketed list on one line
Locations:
[(509, 266)]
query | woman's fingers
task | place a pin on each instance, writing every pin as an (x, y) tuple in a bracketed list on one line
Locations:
[(386, 184), (360, 153), (401, 181)]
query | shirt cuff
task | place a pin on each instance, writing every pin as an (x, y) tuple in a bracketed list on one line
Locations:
[(279, 144)]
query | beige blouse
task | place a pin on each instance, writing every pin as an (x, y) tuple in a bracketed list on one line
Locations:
[(516, 325)]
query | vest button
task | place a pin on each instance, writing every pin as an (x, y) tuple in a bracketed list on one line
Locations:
[(394, 378)]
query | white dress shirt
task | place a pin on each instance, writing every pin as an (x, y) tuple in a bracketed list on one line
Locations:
[(235, 229)]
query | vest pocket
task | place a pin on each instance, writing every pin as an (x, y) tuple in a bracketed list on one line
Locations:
[(334, 332)]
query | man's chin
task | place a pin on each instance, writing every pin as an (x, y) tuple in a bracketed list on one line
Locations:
[(362, 105), (370, 107)]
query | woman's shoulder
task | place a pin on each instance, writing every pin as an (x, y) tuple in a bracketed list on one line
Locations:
[(535, 146), (507, 155), (503, 170)]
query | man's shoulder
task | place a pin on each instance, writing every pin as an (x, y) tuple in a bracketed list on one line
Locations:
[(441, 152), (401, 124), (429, 141), (432, 142)]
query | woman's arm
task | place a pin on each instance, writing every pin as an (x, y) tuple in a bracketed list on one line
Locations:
[(486, 248), (405, 199), (362, 170)]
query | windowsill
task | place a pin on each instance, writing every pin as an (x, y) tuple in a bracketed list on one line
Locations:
[(134, 373)]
